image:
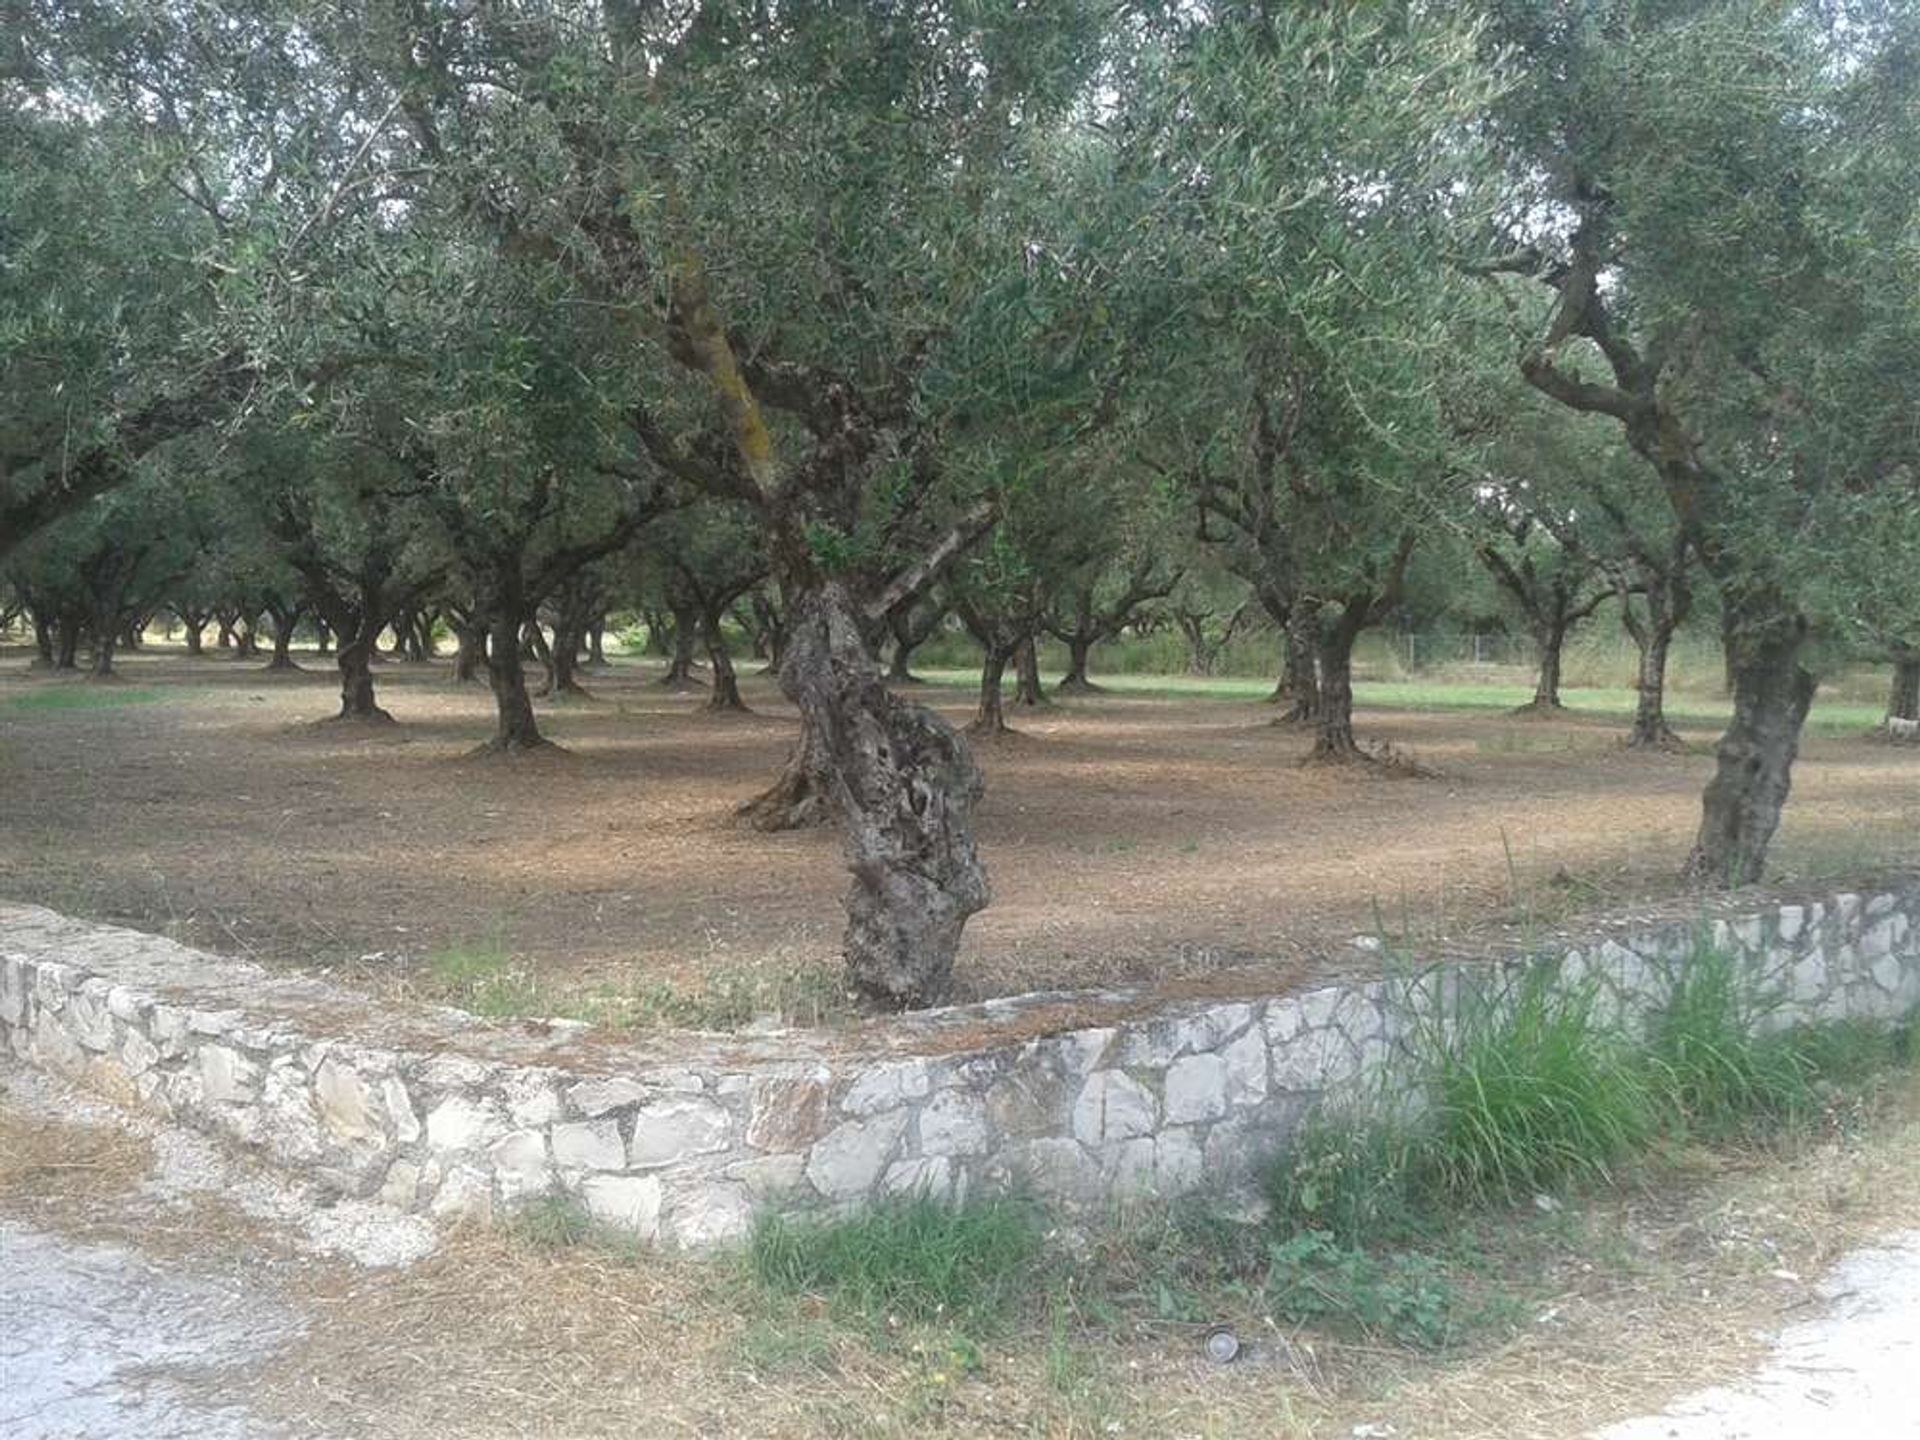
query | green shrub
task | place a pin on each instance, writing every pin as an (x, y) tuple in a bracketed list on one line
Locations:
[(913, 1258)]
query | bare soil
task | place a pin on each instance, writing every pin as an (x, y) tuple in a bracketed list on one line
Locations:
[(1128, 838)]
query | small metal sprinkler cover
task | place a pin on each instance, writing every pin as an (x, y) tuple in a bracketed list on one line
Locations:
[(1222, 1345)]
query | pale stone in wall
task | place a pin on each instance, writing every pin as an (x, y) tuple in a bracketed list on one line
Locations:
[(460, 1123), (1246, 1062), (226, 1076), (406, 1120), (589, 1145), (520, 1164), (346, 1105), (674, 1130), (787, 1113), (597, 1097), (887, 1086), (954, 1122), (853, 1156), (1196, 1089), (931, 1176), (465, 1194), (628, 1202), (1113, 1106), (705, 1216)]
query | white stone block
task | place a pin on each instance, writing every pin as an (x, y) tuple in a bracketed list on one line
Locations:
[(850, 1159), (627, 1202), (1112, 1106), (461, 1123), (954, 1122), (672, 1130), (1196, 1089), (589, 1145)]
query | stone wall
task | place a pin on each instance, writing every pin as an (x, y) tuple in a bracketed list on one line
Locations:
[(681, 1138)]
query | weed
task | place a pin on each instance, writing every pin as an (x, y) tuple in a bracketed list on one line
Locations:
[(1348, 1173), (910, 1258), (1311, 1277)]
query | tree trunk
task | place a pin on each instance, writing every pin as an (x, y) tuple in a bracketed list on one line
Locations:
[(43, 629), (725, 695), (1550, 639), (1903, 701), (990, 719), (196, 643), (1200, 652), (802, 797), (1027, 690), (106, 637), (1333, 741), (471, 652), (1299, 674), (356, 677), (1650, 729), (1740, 811), (225, 639), (905, 786), (66, 654), (897, 671), (284, 622), (679, 674), (514, 729), (246, 642), (596, 644), (562, 659), (1075, 681)]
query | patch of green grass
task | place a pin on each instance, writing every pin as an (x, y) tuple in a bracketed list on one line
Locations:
[(79, 696), (1529, 1092), (483, 978), (554, 1222), (809, 995), (911, 1258)]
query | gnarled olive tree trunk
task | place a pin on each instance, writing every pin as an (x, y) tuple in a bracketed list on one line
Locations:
[(1772, 692), (904, 784), (800, 799)]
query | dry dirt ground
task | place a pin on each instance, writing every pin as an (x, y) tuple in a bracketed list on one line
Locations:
[(172, 1294), (1127, 837)]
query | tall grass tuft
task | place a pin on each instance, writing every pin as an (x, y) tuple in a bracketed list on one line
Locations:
[(1726, 1074), (1721, 1075), (1529, 1091), (913, 1258)]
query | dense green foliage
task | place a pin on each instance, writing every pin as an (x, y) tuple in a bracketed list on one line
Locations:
[(1072, 320)]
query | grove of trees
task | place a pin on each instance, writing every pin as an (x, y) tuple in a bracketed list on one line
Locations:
[(840, 326)]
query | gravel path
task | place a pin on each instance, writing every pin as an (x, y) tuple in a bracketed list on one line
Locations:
[(99, 1343), (1853, 1371)]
